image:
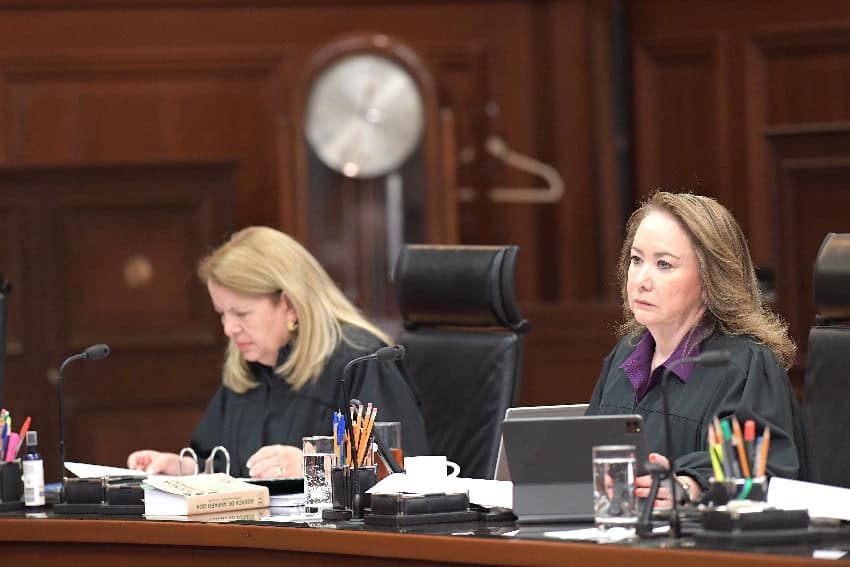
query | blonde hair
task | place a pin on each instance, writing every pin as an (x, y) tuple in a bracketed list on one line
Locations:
[(734, 302), (261, 261)]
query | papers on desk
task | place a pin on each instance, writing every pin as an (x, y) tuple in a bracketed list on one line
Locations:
[(83, 470), (821, 500), (611, 535), (489, 493)]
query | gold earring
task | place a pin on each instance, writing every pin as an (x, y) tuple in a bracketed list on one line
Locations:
[(292, 325)]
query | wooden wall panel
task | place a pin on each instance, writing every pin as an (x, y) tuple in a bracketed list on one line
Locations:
[(810, 166), (130, 106), (109, 257), (565, 351), (680, 97), (786, 68)]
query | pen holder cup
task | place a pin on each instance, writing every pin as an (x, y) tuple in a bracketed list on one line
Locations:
[(349, 486), (720, 493), (11, 481)]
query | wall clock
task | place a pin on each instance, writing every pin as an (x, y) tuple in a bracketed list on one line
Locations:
[(364, 115)]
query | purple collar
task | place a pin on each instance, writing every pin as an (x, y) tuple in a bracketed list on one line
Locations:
[(637, 364)]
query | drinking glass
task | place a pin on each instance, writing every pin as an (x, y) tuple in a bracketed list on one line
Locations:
[(390, 433), (318, 461), (614, 501)]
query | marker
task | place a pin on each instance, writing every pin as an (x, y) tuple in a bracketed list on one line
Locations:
[(23, 435), (12, 449), (750, 442), (765, 446), (733, 470)]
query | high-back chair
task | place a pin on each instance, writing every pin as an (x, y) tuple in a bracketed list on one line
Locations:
[(827, 385), (464, 339)]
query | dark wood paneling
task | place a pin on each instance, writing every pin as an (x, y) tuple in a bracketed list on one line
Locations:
[(680, 97), (111, 259), (812, 180), (565, 349)]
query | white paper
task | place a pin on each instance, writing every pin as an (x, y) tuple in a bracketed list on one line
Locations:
[(594, 534), (83, 470), (483, 492), (821, 500), (284, 500)]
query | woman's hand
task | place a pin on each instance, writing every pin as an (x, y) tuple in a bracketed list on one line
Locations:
[(664, 498), (156, 462), (276, 461)]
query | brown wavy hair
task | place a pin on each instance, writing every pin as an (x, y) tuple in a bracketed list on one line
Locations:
[(734, 302)]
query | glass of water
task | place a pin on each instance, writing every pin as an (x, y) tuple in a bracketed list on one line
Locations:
[(614, 501), (318, 462)]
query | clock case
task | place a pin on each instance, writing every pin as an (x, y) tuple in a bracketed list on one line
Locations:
[(355, 226)]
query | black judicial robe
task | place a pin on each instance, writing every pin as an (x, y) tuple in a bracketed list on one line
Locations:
[(274, 413), (752, 386)]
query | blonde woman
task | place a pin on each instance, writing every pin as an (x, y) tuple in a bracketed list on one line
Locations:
[(291, 332), (688, 286)]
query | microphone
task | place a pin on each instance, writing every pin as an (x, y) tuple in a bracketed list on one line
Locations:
[(708, 358), (384, 354), (94, 352)]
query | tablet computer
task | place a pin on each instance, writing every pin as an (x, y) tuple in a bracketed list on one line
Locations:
[(503, 471), (550, 459)]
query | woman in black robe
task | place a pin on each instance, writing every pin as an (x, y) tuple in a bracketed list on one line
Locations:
[(688, 286), (291, 332)]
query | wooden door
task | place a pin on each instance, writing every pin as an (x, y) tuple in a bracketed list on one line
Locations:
[(106, 254)]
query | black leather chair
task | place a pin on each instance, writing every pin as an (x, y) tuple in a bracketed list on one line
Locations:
[(464, 339), (827, 385)]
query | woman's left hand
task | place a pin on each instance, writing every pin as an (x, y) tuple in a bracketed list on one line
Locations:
[(276, 461), (663, 499), (642, 483)]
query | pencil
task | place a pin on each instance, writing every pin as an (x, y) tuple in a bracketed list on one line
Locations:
[(739, 443)]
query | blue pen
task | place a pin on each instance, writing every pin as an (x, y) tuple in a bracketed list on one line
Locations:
[(340, 435), (335, 431), (5, 440)]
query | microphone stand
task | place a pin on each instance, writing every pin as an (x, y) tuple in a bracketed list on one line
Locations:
[(94, 352), (5, 288), (709, 358), (388, 353)]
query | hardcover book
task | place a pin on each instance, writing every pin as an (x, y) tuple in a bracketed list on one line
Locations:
[(201, 494)]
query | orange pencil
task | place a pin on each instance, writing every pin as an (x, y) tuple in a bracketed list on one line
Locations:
[(367, 434), (363, 437), (739, 443)]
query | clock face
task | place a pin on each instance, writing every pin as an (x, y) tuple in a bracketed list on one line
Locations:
[(364, 115)]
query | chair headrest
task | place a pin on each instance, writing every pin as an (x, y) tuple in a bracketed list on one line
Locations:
[(458, 286), (832, 278)]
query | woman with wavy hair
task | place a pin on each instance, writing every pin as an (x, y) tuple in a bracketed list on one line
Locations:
[(689, 286), (291, 332)]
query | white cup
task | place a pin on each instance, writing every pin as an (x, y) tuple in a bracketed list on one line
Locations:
[(428, 473)]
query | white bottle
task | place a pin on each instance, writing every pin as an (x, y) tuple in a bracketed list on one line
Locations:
[(33, 472)]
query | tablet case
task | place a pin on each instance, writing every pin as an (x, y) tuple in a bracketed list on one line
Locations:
[(551, 462), (503, 472)]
